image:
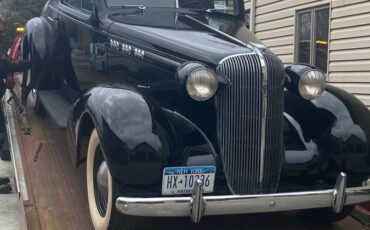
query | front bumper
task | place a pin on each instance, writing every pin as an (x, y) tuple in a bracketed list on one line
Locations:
[(198, 205)]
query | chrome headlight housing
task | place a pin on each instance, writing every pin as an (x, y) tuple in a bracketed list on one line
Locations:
[(305, 80), (201, 84), (311, 84)]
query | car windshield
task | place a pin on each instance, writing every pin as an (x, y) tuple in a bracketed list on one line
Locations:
[(219, 6)]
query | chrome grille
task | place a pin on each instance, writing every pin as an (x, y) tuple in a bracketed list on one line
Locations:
[(274, 128), (239, 113)]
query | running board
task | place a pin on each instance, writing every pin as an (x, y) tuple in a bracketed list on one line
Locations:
[(56, 106)]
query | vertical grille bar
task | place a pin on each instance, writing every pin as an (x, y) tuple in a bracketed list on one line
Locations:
[(239, 114), (274, 139)]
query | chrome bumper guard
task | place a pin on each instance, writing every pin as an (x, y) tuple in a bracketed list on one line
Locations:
[(199, 205)]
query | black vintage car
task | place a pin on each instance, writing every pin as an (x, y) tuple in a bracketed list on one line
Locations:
[(178, 110)]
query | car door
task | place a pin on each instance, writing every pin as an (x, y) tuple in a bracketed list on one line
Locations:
[(86, 43)]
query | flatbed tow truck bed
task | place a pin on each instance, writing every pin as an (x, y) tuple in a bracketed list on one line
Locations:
[(54, 191)]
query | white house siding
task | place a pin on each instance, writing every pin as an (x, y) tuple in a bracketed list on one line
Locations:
[(349, 56), (274, 25), (247, 4), (349, 47)]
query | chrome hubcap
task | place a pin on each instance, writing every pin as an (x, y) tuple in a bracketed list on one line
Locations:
[(101, 189), (102, 179)]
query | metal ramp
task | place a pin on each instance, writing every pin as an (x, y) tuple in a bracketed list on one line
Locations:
[(12, 215), (9, 203)]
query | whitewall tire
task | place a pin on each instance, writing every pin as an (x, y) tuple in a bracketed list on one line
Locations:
[(100, 221), (103, 190)]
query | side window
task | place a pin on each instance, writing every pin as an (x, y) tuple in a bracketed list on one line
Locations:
[(313, 37), (73, 3), (87, 5)]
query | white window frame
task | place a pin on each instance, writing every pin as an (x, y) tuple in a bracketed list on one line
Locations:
[(312, 10)]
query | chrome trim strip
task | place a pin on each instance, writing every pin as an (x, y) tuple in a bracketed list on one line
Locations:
[(234, 204), (339, 194), (264, 109), (10, 115), (51, 19)]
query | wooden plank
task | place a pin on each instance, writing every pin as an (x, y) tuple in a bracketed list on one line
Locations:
[(286, 59), (350, 43), (280, 41), (349, 77), (350, 55), (350, 10), (358, 31), (283, 50), (59, 191), (281, 32), (22, 215), (350, 66), (33, 222), (280, 5), (273, 16), (275, 24), (266, 2), (364, 98), (355, 88), (341, 3), (351, 21)]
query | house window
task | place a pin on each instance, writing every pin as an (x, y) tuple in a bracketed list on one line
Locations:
[(313, 37)]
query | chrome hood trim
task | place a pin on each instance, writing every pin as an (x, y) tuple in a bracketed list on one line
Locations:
[(264, 106)]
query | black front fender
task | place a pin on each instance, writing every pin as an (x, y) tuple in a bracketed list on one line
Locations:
[(327, 135), (132, 130)]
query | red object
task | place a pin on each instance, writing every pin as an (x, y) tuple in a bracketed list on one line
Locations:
[(365, 206), (14, 55), (15, 50)]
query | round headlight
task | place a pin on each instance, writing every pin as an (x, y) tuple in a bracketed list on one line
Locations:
[(201, 84), (312, 84)]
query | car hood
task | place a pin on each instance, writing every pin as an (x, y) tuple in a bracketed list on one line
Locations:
[(184, 34)]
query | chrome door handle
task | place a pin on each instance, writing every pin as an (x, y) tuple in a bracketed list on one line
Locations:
[(143, 86), (53, 18)]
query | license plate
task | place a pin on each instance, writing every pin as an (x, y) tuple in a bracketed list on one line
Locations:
[(180, 180)]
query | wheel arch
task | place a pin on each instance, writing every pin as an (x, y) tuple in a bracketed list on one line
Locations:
[(85, 128), (128, 137), (39, 42), (40, 31)]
